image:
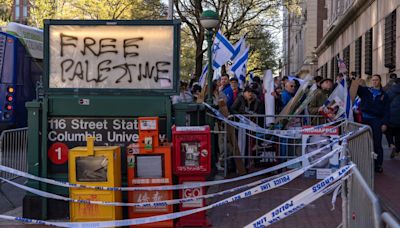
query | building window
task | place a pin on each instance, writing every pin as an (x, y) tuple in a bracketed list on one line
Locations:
[(390, 41), (346, 57), (368, 52), (333, 67), (357, 56), (17, 9), (325, 74)]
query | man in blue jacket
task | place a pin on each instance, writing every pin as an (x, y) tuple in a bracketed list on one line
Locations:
[(375, 109), (288, 92), (226, 89)]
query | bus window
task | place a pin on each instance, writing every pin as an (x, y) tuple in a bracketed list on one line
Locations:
[(8, 62)]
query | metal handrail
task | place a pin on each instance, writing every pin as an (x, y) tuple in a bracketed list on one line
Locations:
[(389, 220)]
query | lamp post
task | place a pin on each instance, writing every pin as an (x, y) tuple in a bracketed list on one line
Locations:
[(209, 20)]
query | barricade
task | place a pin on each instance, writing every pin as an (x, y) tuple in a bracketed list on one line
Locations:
[(257, 149), (361, 149), (13, 148), (360, 205)]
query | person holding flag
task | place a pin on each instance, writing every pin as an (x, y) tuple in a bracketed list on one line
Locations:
[(375, 109)]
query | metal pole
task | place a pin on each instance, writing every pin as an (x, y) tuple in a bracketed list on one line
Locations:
[(210, 73), (170, 9)]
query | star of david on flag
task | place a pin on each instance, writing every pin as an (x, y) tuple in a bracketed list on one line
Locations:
[(239, 68), (222, 50)]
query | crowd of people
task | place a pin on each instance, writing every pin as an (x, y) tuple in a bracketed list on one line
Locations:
[(375, 105)]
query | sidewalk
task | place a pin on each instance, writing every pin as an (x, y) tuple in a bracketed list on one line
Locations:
[(238, 214), (387, 185)]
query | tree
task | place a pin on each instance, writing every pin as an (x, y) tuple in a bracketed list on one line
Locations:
[(95, 10), (237, 17), (5, 11)]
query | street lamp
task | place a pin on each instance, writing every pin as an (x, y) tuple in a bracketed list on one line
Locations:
[(209, 20)]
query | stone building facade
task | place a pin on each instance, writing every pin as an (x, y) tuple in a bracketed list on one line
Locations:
[(365, 34), (301, 35)]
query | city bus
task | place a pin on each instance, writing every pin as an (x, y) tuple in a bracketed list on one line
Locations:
[(21, 57)]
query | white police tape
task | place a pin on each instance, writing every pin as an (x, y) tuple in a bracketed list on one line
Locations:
[(292, 175), (251, 126), (174, 187), (293, 144), (128, 222), (301, 200)]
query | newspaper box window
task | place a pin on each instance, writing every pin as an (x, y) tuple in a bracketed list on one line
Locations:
[(91, 169), (149, 166), (191, 152)]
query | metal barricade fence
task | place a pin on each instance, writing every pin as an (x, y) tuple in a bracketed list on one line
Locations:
[(361, 149), (13, 152), (256, 150), (360, 205)]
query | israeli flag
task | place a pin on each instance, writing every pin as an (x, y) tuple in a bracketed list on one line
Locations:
[(251, 79), (239, 67), (222, 50), (202, 79), (240, 48), (347, 99)]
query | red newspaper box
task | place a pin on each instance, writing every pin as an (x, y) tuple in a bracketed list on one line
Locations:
[(192, 163)]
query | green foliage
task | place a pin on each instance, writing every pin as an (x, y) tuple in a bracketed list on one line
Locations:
[(5, 11), (188, 54), (95, 10), (253, 18)]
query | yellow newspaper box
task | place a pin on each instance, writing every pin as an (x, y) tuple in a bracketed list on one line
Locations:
[(95, 166)]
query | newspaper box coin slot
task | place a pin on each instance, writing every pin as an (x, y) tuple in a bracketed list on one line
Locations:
[(149, 164), (192, 163), (95, 166)]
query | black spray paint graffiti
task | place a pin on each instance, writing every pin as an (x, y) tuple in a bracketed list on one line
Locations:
[(72, 69)]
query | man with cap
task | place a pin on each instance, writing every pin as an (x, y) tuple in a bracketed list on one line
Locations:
[(235, 87), (247, 103), (316, 105)]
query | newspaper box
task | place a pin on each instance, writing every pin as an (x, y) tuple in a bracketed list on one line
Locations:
[(149, 164), (192, 163), (95, 166)]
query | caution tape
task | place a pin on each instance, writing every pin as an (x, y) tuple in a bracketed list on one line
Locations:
[(251, 126), (293, 174), (295, 144), (174, 187), (301, 200), (317, 188)]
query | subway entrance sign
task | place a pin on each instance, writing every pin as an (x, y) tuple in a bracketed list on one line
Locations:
[(99, 78)]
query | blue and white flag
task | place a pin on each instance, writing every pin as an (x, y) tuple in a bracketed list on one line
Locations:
[(222, 50), (202, 79), (251, 78), (240, 48), (347, 99), (239, 67)]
